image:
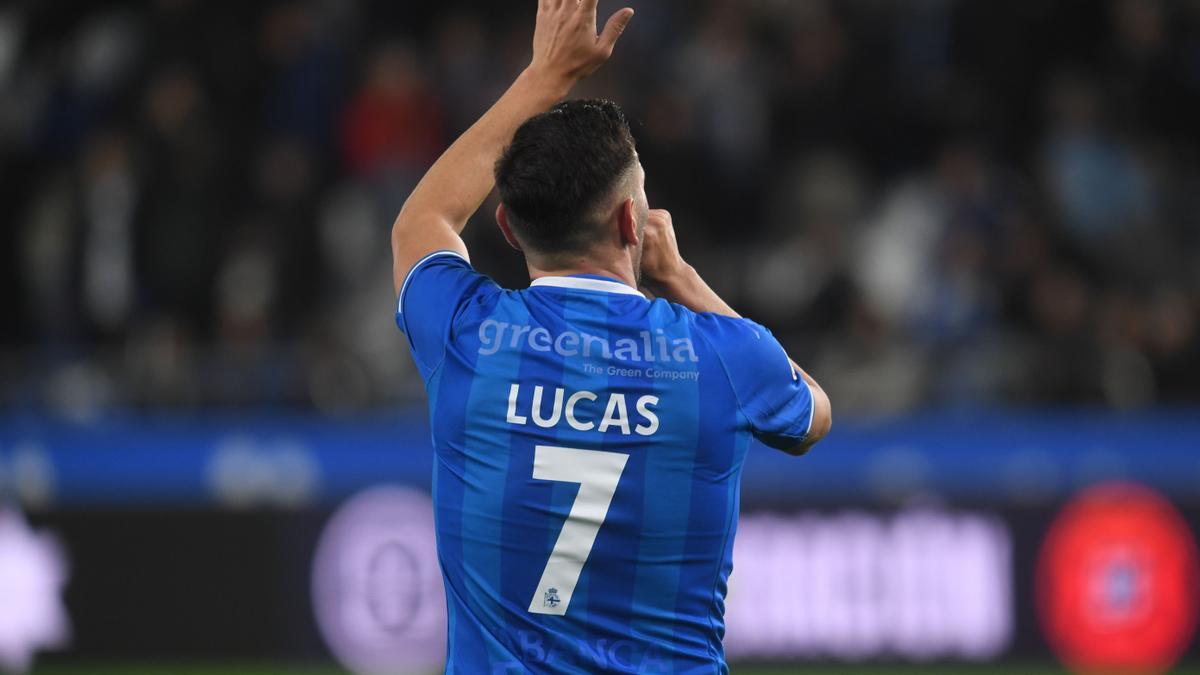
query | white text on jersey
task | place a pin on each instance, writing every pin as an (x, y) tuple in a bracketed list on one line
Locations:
[(646, 348), (581, 410)]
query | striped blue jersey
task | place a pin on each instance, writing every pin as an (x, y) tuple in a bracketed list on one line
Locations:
[(588, 452)]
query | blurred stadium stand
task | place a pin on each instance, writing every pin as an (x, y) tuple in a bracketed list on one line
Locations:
[(945, 202)]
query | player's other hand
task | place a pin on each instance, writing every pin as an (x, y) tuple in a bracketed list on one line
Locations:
[(566, 48), (662, 265)]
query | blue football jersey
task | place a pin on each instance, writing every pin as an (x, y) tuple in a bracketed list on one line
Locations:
[(588, 449)]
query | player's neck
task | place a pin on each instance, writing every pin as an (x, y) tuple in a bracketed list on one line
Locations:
[(617, 270)]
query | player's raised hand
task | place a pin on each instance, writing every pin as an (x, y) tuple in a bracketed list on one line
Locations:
[(662, 264), (666, 275), (566, 47)]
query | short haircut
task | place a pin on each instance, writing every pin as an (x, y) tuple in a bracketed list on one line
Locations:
[(557, 170)]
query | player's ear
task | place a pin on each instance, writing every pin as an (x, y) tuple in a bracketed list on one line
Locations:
[(627, 224), (502, 221)]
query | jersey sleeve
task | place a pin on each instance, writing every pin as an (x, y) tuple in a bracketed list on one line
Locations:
[(775, 400), (432, 295)]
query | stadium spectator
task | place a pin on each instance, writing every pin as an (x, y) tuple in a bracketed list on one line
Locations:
[(990, 216)]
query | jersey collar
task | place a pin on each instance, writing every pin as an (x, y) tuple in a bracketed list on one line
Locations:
[(587, 283)]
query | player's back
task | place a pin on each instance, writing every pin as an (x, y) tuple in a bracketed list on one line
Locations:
[(589, 444)]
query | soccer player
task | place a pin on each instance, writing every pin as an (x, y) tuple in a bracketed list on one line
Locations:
[(588, 440)]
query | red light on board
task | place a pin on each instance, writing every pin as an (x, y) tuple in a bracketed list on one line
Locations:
[(1118, 581)]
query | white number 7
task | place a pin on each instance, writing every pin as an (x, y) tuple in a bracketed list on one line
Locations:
[(597, 473)]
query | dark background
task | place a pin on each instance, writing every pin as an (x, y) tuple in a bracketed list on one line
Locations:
[(935, 202), (238, 599)]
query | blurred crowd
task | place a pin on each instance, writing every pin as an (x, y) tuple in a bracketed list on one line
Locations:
[(930, 202)]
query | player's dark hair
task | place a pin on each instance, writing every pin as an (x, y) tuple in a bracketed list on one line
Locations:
[(558, 167)]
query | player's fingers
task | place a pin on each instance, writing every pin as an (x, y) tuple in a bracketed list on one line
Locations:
[(613, 29)]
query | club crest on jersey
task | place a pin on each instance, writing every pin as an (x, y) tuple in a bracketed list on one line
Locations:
[(552, 599)]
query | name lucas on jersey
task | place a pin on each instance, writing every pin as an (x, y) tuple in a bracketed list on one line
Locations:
[(581, 411)]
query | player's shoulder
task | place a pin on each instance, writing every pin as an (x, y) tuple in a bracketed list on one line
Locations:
[(441, 274), (724, 332), (438, 290), (741, 345)]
